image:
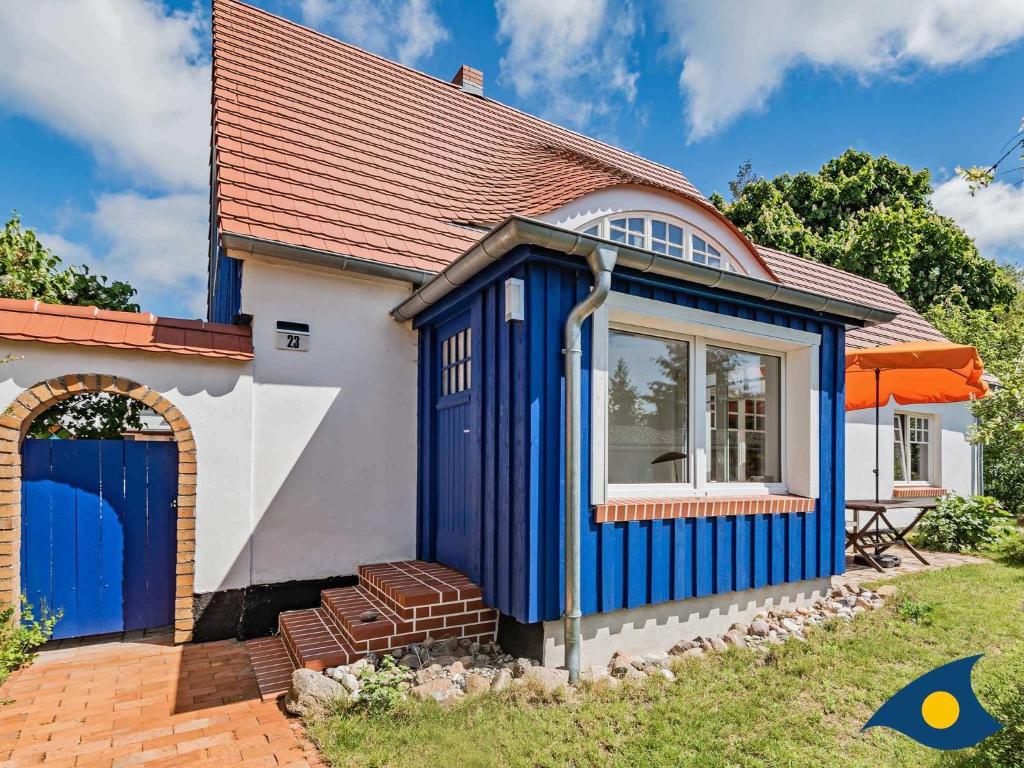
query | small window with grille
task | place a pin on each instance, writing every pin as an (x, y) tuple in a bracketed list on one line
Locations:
[(456, 356)]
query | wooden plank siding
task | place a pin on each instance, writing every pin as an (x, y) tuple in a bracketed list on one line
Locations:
[(522, 462)]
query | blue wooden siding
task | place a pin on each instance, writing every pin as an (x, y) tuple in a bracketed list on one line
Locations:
[(522, 472), (226, 299), (98, 532)]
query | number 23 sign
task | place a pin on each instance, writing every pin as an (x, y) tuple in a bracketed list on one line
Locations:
[(293, 337)]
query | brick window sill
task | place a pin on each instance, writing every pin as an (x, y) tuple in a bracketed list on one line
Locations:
[(630, 509), (917, 492)]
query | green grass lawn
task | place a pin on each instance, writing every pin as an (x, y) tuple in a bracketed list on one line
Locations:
[(803, 705)]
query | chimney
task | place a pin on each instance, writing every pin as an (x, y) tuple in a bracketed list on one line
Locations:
[(470, 80)]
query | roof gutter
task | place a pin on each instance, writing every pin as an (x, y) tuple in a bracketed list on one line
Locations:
[(518, 230), (341, 262)]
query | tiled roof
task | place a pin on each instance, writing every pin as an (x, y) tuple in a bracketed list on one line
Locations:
[(322, 145), (829, 281), (88, 326)]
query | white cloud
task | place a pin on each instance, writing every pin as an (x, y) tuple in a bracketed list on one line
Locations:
[(158, 244), (407, 30), (125, 77), (574, 57), (994, 216), (67, 250), (735, 54)]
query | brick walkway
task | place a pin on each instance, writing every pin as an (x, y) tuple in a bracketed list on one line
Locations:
[(860, 574), (138, 700)]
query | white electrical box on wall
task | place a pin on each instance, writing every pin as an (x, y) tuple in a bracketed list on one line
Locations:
[(515, 299), (293, 337)]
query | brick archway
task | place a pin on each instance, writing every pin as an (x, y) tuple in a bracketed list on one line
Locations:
[(14, 425)]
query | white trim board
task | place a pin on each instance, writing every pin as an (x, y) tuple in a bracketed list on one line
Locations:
[(800, 393)]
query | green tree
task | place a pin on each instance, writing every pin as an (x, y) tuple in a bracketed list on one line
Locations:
[(1001, 430), (624, 405), (870, 216), (978, 177), (29, 270)]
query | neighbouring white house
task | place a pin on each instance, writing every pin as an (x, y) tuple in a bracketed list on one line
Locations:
[(456, 356)]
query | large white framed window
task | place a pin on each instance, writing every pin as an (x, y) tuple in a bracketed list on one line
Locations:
[(914, 449), (687, 402), (744, 410), (663, 234), (648, 408)]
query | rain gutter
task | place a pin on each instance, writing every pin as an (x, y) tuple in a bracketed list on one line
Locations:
[(518, 230)]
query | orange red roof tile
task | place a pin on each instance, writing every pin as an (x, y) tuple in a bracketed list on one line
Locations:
[(28, 320), (322, 145)]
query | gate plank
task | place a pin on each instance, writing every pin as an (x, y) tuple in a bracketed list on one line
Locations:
[(82, 473), (64, 554), (136, 535), (162, 463), (36, 525), (112, 543)]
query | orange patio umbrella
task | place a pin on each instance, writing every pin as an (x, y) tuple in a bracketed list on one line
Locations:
[(912, 373)]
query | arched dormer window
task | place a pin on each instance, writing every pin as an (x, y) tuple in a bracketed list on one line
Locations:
[(663, 234)]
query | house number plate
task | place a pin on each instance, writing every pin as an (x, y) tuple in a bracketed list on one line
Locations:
[(293, 337)]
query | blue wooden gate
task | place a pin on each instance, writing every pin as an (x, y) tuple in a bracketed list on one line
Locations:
[(458, 523), (99, 532)]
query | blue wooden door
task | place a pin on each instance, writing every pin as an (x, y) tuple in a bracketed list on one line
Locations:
[(457, 536), (99, 532)]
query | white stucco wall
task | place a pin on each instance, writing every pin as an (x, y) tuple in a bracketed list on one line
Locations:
[(956, 467), (334, 428), (216, 398)]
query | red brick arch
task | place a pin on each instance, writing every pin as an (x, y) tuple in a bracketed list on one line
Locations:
[(14, 425)]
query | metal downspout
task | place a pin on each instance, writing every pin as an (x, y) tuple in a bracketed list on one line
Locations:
[(601, 262)]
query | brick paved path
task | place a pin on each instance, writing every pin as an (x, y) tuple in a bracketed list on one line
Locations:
[(138, 700)]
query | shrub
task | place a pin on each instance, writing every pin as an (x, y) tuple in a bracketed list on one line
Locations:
[(915, 611), (1011, 548), (383, 688), (962, 525), (18, 639)]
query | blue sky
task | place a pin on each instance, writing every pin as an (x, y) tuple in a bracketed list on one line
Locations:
[(104, 103)]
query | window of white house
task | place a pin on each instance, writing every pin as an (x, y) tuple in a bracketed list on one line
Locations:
[(662, 235), (648, 408), (704, 252), (912, 448), (743, 416)]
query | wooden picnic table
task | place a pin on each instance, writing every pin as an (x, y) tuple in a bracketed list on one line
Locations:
[(878, 533)]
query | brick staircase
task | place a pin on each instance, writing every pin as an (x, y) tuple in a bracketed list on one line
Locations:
[(393, 605)]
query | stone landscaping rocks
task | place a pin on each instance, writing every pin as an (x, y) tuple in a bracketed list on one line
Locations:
[(449, 670), (520, 667), (476, 684), (436, 689), (760, 628), (311, 691), (843, 602), (501, 681), (547, 679)]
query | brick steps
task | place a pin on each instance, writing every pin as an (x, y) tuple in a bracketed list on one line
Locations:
[(313, 639), (410, 600)]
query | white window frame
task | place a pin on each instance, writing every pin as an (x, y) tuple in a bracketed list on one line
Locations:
[(623, 490), (799, 388), (934, 446), (603, 224)]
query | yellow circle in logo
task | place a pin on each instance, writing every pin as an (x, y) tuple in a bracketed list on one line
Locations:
[(940, 709)]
